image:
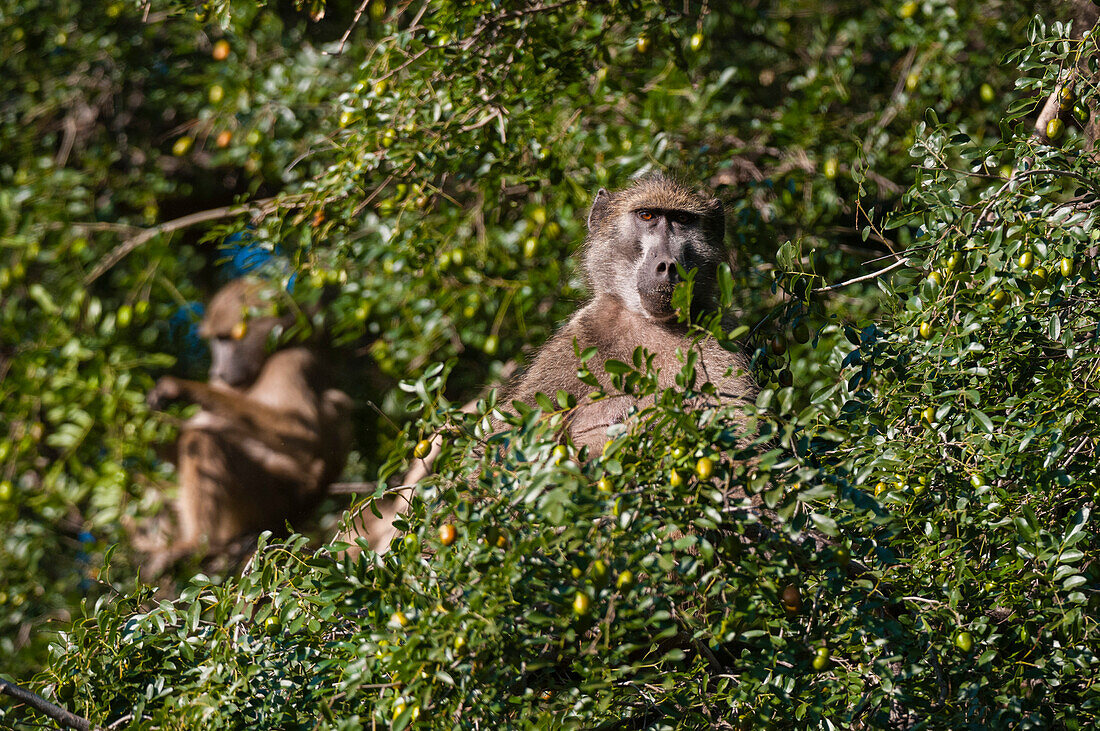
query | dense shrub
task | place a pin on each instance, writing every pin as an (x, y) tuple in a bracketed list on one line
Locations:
[(922, 552)]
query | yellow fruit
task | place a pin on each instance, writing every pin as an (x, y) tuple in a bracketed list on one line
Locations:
[(447, 534), (987, 93), (215, 94), (182, 146), (642, 43), (491, 344), (380, 87), (909, 9), (926, 330), (581, 604), (220, 52), (625, 580), (604, 485), (928, 413), (696, 41), (704, 468), (422, 449), (830, 168), (124, 315), (675, 479), (399, 619)]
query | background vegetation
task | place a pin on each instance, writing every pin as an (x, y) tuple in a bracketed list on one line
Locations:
[(927, 437)]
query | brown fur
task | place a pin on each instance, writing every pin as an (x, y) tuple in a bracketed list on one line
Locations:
[(616, 320), (269, 438)]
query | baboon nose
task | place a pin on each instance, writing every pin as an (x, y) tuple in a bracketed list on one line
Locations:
[(664, 270)]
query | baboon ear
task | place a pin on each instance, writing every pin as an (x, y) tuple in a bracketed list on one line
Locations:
[(599, 208)]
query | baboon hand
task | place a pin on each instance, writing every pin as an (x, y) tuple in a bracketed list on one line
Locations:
[(165, 392)]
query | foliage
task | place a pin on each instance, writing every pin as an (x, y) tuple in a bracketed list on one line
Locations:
[(923, 550)]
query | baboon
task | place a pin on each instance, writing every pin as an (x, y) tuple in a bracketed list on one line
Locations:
[(636, 239), (270, 437)]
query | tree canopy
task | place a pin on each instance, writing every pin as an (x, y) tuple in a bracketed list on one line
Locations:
[(915, 280)]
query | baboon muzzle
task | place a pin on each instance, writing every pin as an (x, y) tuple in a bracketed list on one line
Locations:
[(656, 281)]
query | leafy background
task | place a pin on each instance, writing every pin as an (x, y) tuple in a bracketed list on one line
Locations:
[(433, 162)]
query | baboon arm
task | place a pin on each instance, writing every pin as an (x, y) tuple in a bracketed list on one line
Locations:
[(275, 429)]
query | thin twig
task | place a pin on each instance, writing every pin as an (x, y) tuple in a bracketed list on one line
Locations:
[(864, 278), (354, 22)]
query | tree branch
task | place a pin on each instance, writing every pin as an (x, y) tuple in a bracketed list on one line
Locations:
[(259, 207), (37, 702)]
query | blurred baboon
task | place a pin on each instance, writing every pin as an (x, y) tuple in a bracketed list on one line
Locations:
[(636, 239), (271, 435)]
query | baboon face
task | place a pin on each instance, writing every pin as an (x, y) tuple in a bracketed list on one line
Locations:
[(638, 236), (238, 339)]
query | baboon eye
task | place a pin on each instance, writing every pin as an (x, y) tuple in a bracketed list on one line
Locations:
[(682, 217), (645, 215)]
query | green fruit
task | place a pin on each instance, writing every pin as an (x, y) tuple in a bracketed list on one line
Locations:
[(1026, 260), (1066, 98), (6, 491), (422, 449), (704, 468), (491, 344), (559, 454), (604, 485), (998, 299), (459, 642), (1039, 276), (830, 168), (842, 556), (821, 659), (977, 480), (935, 278), (530, 247), (597, 571), (1066, 267), (124, 315), (964, 641), (272, 625), (215, 94), (801, 333), (954, 262), (1055, 128), (928, 413), (412, 543), (987, 94), (1081, 113), (926, 330), (675, 478), (625, 580), (643, 43)]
